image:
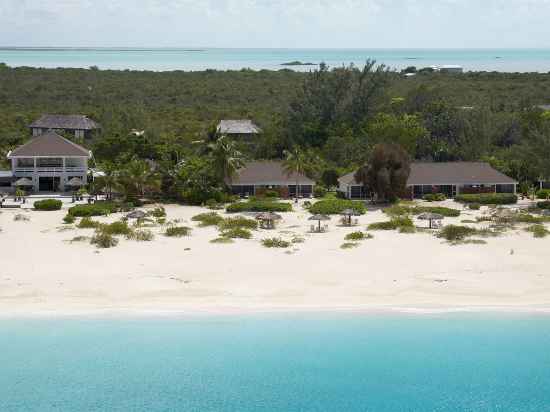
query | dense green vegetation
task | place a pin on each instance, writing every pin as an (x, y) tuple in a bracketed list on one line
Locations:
[(259, 206), (337, 206), (488, 198), (336, 118), (48, 204)]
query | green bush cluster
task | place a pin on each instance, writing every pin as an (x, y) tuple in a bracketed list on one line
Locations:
[(276, 242), (207, 219), (538, 231), (544, 205), (116, 228), (140, 235), (177, 231), (456, 233), (104, 240), (356, 236), (474, 206), (488, 198), (96, 209), (543, 194), (435, 197), (69, 219), (87, 223), (158, 212), (336, 206), (48, 204), (319, 192), (238, 222), (401, 223), (237, 233), (259, 206), (402, 210)]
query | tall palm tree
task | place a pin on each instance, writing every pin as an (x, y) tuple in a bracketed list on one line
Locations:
[(109, 180), (227, 159), (137, 178), (295, 163)]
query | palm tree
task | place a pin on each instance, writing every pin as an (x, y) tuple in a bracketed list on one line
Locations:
[(295, 163), (109, 180), (137, 178), (227, 159)]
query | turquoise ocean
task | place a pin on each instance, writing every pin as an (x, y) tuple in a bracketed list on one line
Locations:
[(192, 59), (277, 362)]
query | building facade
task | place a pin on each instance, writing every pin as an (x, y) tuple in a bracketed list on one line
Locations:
[(260, 176), (450, 178), (49, 161), (78, 125), (239, 130)]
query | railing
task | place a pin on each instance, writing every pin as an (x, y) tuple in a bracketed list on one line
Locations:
[(50, 170)]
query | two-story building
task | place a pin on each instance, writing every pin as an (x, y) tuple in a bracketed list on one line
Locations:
[(50, 162), (78, 125)]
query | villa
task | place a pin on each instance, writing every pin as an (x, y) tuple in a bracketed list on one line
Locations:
[(259, 176), (48, 162), (243, 130), (78, 125), (450, 178)]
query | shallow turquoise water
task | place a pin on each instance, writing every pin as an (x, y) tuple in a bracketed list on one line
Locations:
[(508, 60), (277, 363)]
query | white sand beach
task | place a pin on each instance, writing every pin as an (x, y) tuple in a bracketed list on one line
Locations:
[(42, 272)]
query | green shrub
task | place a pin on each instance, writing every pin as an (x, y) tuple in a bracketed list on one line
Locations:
[(259, 206), (319, 192), (141, 235), (48, 204), (397, 210), (96, 209), (488, 198), (398, 222), (158, 212), (69, 219), (455, 233), (238, 222), (115, 228), (222, 240), (273, 194), (544, 205), (407, 229), (402, 210), (355, 236), (543, 194), (349, 245), (208, 219), (177, 231), (104, 240), (87, 223), (237, 233), (435, 197), (275, 242), (538, 231), (213, 204), (474, 206), (336, 206)]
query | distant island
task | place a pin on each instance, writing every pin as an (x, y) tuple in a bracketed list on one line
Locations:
[(298, 63)]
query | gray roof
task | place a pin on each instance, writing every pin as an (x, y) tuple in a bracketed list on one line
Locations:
[(267, 173), (63, 121), (447, 173), (238, 127), (49, 144)]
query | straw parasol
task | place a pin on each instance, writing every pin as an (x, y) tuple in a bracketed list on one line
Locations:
[(268, 219), (431, 217), (136, 214), (24, 182), (349, 213), (319, 218), (75, 182)]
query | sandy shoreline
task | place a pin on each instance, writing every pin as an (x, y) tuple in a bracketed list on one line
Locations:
[(43, 274)]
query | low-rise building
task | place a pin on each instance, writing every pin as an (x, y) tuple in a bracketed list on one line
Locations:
[(79, 125), (49, 161), (259, 176), (450, 178), (241, 130)]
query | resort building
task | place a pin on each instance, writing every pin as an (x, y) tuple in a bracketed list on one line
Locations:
[(450, 178), (260, 176), (78, 125), (49, 163), (244, 130)]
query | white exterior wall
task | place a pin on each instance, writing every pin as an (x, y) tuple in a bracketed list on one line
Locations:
[(65, 172)]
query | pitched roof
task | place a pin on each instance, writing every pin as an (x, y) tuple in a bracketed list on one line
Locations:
[(63, 121), (238, 127), (49, 144), (447, 173), (267, 173)]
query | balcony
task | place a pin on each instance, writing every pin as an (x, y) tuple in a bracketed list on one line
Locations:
[(48, 170)]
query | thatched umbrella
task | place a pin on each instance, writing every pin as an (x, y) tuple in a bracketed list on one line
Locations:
[(349, 213), (319, 218), (23, 182), (503, 215), (431, 217), (136, 214), (75, 182), (268, 219)]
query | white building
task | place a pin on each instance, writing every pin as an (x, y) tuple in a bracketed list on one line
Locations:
[(50, 161)]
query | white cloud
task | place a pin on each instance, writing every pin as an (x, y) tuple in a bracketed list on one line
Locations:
[(276, 23)]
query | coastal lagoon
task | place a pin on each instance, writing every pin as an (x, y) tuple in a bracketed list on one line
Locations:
[(193, 59), (277, 362)]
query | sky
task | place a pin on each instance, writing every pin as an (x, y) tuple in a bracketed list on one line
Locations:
[(276, 23)]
